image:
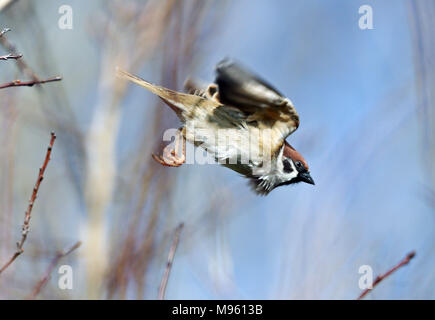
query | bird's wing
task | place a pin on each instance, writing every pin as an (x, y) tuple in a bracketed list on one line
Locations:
[(194, 86), (246, 91)]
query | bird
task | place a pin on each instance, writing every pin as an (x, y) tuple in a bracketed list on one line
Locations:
[(240, 120)]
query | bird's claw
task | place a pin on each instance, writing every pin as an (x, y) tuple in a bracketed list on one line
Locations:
[(170, 158)]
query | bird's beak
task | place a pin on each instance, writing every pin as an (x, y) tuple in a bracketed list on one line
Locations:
[(305, 177)]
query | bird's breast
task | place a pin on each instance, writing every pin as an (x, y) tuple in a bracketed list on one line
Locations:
[(247, 144)]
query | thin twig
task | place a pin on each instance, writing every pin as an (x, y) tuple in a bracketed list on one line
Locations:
[(378, 279), (59, 255), (19, 83), (28, 214), (21, 63), (164, 283), (11, 56), (4, 31)]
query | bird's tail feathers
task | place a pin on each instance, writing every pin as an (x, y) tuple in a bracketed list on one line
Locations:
[(179, 102), (172, 98)]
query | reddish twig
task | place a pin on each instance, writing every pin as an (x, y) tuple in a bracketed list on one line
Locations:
[(11, 56), (59, 255), (378, 279), (19, 83), (164, 283), (28, 214)]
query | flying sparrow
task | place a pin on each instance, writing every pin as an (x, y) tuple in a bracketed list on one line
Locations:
[(241, 121)]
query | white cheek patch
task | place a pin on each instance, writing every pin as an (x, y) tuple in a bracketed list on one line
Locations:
[(277, 175), (282, 175), (287, 176)]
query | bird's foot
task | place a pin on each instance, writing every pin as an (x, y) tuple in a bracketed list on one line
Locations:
[(170, 158)]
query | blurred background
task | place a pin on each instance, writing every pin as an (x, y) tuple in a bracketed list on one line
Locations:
[(366, 103)]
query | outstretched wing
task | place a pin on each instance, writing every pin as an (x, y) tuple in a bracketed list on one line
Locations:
[(246, 91)]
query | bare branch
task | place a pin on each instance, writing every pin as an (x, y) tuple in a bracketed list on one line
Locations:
[(378, 279), (41, 283), (19, 83), (28, 214), (5, 3), (4, 31), (22, 65), (164, 283), (11, 56)]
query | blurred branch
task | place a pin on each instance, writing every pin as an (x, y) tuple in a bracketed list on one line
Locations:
[(147, 27), (27, 216), (11, 56), (378, 279), (19, 83), (171, 256), (41, 283), (4, 31), (421, 18), (54, 104), (5, 3), (22, 65), (175, 34)]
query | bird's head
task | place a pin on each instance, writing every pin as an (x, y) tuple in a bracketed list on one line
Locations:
[(293, 167), (290, 168)]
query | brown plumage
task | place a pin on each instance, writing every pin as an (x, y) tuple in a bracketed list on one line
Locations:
[(291, 153)]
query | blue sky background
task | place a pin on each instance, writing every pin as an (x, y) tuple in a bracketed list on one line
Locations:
[(360, 133)]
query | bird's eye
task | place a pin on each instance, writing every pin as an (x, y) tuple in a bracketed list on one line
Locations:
[(287, 166), (299, 164)]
